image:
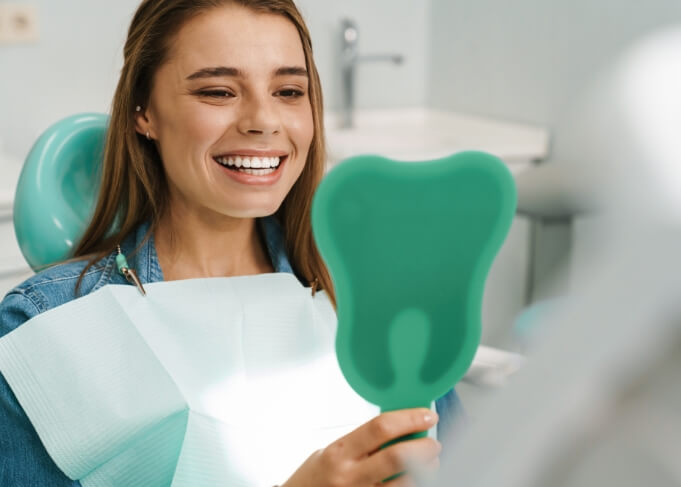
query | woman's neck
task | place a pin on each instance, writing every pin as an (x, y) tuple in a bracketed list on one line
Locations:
[(190, 245)]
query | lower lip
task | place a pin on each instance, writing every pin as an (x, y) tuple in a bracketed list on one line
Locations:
[(252, 179)]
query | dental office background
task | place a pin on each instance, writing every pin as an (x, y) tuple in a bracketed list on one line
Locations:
[(501, 76), (520, 62)]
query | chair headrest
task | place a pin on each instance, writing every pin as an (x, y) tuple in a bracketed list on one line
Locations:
[(57, 189)]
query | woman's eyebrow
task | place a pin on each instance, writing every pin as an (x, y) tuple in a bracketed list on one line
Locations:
[(225, 71), (291, 71), (215, 72)]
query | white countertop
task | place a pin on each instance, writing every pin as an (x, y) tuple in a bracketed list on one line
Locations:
[(423, 134)]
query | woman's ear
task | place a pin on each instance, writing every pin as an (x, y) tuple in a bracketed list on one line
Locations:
[(143, 124)]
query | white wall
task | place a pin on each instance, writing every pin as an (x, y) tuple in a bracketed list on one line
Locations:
[(72, 69), (385, 26), (75, 65), (525, 59)]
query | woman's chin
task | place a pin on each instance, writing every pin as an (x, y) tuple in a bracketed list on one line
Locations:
[(252, 211)]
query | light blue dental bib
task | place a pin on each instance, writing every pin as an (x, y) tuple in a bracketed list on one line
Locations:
[(224, 381)]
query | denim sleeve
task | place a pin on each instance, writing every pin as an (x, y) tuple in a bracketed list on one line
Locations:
[(23, 458)]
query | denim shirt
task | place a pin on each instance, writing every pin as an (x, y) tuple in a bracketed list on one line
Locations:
[(24, 461)]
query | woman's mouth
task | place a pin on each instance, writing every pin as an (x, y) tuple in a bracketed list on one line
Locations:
[(255, 166), (253, 169)]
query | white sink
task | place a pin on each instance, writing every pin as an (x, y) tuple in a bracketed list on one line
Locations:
[(420, 134)]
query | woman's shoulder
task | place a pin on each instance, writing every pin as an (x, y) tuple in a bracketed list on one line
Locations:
[(62, 278), (50, 288)]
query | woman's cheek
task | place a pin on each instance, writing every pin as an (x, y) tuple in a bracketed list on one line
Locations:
[(206, 121), (301, 127)]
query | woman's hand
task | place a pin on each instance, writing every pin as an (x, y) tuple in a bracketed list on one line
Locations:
[(357, 459)]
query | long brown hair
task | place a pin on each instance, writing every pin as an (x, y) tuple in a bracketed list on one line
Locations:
[(133, 186)]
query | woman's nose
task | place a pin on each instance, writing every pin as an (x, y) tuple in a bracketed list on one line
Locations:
[(259, 117)]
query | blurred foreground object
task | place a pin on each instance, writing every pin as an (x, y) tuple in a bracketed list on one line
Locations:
[(599, 403)]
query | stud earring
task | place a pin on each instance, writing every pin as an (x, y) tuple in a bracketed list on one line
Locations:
[(138, 108), (148, 136)]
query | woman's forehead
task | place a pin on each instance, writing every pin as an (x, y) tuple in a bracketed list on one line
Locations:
[(236, 36)]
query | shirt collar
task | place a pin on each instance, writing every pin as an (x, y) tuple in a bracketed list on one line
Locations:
[(275, 243), (146, 263)]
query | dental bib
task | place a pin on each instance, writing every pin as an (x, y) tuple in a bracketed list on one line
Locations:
[(205, 382)]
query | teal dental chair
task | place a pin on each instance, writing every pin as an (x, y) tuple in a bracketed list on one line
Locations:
[(57, 189)]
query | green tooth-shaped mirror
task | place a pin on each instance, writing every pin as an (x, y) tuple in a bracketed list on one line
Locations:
[(409, 247)]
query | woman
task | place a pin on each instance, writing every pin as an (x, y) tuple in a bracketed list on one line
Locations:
[(214, 150)]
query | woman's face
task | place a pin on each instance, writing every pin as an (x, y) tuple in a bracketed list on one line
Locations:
[(231, 114)]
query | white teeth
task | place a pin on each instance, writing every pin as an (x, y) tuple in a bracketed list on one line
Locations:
[(250, 162), (256, 166)]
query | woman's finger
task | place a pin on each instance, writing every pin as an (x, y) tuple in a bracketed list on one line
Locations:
[(403, 456), (401, 481), (387, 427)]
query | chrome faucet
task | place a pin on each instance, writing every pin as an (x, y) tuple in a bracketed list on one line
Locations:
[(349, 59)]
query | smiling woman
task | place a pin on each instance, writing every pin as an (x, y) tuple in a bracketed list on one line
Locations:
[(213, 153), (234, 86)]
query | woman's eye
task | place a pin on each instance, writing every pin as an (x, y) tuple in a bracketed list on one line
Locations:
[(215, 93), (290, 93)]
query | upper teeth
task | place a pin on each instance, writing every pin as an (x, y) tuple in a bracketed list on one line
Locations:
[(251, 162)]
